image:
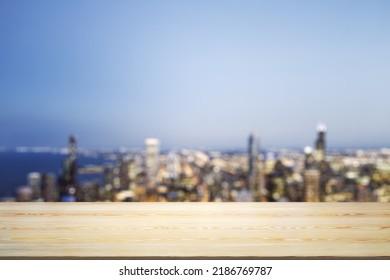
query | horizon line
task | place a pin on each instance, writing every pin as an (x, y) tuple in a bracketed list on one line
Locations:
[(124, 149)]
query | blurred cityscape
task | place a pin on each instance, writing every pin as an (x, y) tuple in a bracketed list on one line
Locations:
[(314, 174)]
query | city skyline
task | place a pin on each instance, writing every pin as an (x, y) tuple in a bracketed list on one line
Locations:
[(194, 75), (193, 175)]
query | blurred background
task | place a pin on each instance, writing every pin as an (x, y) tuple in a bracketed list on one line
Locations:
[(194, 101)]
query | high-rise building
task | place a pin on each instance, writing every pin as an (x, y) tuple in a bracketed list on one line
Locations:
[(89, 192), (49, 187), (312, 185), (109, 182), (317, 169), (309, 159), (253, 166), (152, 152), (24, 194), (68, 182), (34, 181), (319, 153), (127, 172), (253, 153), (173, 166)]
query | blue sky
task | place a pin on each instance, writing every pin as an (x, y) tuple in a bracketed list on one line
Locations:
[(194, 73)]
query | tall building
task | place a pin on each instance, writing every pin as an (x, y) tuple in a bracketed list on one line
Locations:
[(49, 187), (173, 166), (127, 172), (89, 192), (253, 165), (124, 179), (309, 158), (24, 194), (253, 153), (152, 152), (34, 181), (319, 153), (312, 185), (67, 181), (109, 182), (317, 169)]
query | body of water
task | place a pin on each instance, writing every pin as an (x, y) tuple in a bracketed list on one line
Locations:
[(14, 168)]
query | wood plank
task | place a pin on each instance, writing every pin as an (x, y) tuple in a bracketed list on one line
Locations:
[(194, 229)]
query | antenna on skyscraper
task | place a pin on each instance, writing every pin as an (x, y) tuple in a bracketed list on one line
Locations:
[(321, 127)]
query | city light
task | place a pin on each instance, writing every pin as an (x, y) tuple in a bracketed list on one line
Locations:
[(310, 175)]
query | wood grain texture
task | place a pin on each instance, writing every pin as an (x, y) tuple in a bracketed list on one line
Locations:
[(194, 229)]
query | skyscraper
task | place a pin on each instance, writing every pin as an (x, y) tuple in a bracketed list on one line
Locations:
[(127, 177), (309, 159), (253, 164), (173, 166), (67, 182), (253, 153), (24, 194), (319, 153), (317, 170), (35, 183), (49, 187), (312, 185), (152, 152)]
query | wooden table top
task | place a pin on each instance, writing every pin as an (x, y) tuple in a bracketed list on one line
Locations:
[(192, 230)]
